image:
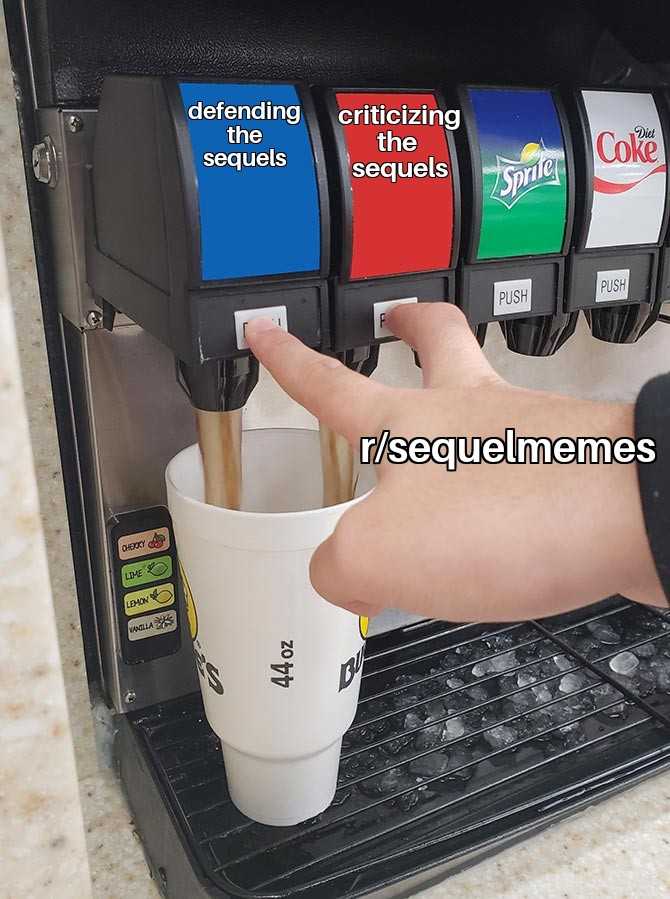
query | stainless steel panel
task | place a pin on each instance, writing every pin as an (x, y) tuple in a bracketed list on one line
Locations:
[(138, 418), (66, 205), (66, 210)]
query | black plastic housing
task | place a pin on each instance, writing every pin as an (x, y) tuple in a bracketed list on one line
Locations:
[(622, 321), (143, 242), (540, 334)]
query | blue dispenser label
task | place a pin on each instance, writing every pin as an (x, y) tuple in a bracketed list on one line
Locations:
[(256, 179)]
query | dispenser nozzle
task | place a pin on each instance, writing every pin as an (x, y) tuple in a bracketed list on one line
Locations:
[(220, 385), (362, 359)]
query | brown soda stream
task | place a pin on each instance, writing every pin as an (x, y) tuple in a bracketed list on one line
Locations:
[(220, 439), (338, 467)]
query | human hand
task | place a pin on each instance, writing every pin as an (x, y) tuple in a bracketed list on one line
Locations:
[(487, 542)]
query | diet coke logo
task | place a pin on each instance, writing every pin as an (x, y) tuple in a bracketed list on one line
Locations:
[(638, 147)]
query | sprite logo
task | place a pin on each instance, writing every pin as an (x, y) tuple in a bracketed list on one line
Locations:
[(517, 177)]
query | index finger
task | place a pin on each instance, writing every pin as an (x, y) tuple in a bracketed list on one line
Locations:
[(347, 402)]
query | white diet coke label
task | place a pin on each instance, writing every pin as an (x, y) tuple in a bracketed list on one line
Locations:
[(629, 168)]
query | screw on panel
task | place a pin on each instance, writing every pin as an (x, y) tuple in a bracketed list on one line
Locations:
[(75, 123), (130, 697), (45, 167), (94, 318)]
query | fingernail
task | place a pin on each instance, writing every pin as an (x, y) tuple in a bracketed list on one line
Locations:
[(258, 325)]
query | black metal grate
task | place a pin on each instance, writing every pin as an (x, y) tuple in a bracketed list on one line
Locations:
[(463, 736)]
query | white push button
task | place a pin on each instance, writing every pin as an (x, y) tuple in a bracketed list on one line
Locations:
[(510, 297), (612, 285), (379, 311), (277, 314)]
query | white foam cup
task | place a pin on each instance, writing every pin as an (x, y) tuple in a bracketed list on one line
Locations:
[(280, 667)]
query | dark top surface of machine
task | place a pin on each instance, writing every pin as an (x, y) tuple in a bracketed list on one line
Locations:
[(77, 43)]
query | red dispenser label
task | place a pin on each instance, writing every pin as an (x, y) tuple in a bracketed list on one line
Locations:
[(402, 193)]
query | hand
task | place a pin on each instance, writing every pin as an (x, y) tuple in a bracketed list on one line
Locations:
[(487, 542)]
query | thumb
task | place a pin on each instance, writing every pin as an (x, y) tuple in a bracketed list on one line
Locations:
[(447, 348), (341, 571)]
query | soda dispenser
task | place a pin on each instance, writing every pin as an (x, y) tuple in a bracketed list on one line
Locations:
[(396, 207), (518, 181), (209, 207), (169, 210), (622, 211)]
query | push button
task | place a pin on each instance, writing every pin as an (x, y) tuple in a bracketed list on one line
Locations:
[(510, 297), (380, 310), (276, 314)]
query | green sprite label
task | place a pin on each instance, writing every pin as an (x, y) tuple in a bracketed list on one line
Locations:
[(524, 180)]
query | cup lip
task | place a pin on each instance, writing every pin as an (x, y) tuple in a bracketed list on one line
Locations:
[(251, 516)]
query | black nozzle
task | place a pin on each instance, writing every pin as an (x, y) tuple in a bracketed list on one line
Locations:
[(540, 335), (621, 324), (221, 385), (362, 359)]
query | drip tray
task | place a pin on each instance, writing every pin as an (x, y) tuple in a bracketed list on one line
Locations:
[(466, 739)]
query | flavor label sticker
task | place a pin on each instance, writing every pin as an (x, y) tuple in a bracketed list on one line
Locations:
[(524, 189), (147, 571), (152, 625), (629, 168), (400, 182), (256, 179), (612, 285), (510, 297), (149, 599), (144, 543)]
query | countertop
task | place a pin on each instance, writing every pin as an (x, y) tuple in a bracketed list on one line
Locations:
[(67, 829)]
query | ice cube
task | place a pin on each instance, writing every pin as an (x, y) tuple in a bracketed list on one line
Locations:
[(434, 708), (572, 734), (455, 683), (496, 642), (458, 758), (660, 667), (571, 682), (646, 651), (563, 662), (385, 783), (430, 765), (479, 694), (430, 737), (412, 721), (454, 728), (604, 632), (523, 700), (525, 678), (542, 693), (408, 800), (482, 668), (625, 663), (499, 737), (394, 747), (605, 692), (504, 662)]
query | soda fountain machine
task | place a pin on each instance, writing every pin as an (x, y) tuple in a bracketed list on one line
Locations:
[(166, 213)]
